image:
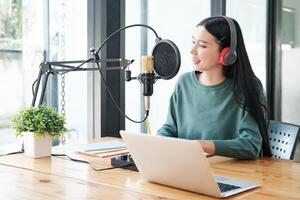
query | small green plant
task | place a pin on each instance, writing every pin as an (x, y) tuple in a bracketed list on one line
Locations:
[(41, 120)]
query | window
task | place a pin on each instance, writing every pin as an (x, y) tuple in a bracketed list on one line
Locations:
[(21, 51), (254, 31), (26, 32), (290, 51), (68, 41)]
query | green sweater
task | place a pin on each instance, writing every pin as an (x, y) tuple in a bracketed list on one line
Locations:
[(204, 112)]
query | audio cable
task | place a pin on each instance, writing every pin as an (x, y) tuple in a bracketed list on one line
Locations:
[(87, 162)]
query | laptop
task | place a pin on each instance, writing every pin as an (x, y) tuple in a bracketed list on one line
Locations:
[(179, 163)]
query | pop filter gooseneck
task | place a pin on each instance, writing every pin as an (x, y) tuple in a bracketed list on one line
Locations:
[(123, 28), (166, 59)]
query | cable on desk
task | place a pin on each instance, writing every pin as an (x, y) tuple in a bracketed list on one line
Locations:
[(84, 161), (73, 159), (17, 152)]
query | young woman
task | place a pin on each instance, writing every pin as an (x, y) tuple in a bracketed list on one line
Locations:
[(221, 103)]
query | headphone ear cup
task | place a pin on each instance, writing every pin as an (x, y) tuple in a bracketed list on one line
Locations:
[(223, 55)]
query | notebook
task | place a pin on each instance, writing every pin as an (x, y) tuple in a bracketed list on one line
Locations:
[(179, 163), (97, 146)]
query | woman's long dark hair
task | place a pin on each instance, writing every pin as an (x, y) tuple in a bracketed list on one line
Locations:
[(246, 88)]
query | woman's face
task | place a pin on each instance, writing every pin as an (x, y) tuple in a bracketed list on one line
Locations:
[(205, 50)]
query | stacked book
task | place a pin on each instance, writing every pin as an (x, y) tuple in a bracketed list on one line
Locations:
[(103, 149)]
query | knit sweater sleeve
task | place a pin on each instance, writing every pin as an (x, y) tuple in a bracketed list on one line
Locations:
[(248, 143)]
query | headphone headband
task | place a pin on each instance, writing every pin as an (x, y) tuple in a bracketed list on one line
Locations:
[(230, 56), (233, 39)]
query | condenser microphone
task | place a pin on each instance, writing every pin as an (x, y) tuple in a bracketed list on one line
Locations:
[(147, 78)]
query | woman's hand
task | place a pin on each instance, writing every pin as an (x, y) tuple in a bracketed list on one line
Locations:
[(208, 146)]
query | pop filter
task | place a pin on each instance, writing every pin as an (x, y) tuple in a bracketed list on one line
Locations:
[(166, 59)]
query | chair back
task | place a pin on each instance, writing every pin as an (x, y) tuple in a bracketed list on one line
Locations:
[(283, 138)]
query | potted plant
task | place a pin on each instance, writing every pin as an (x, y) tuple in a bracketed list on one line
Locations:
[(38, 125)]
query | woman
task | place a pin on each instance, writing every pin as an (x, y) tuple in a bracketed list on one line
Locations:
[(221, 103)]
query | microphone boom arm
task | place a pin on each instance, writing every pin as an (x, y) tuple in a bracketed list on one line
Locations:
[(62, 67)]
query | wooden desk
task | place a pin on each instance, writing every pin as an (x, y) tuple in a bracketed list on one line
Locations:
[(59, 178)]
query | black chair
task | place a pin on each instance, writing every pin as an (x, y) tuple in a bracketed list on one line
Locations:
[(283, 138)]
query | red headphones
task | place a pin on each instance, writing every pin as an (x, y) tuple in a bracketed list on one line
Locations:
[(228, 54)]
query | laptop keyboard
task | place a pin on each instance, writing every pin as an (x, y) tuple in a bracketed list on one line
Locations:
[(226, 187)]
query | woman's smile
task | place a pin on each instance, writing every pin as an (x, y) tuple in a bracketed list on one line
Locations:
[(196, 61)]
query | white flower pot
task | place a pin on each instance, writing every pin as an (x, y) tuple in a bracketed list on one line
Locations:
[(36, 146)]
